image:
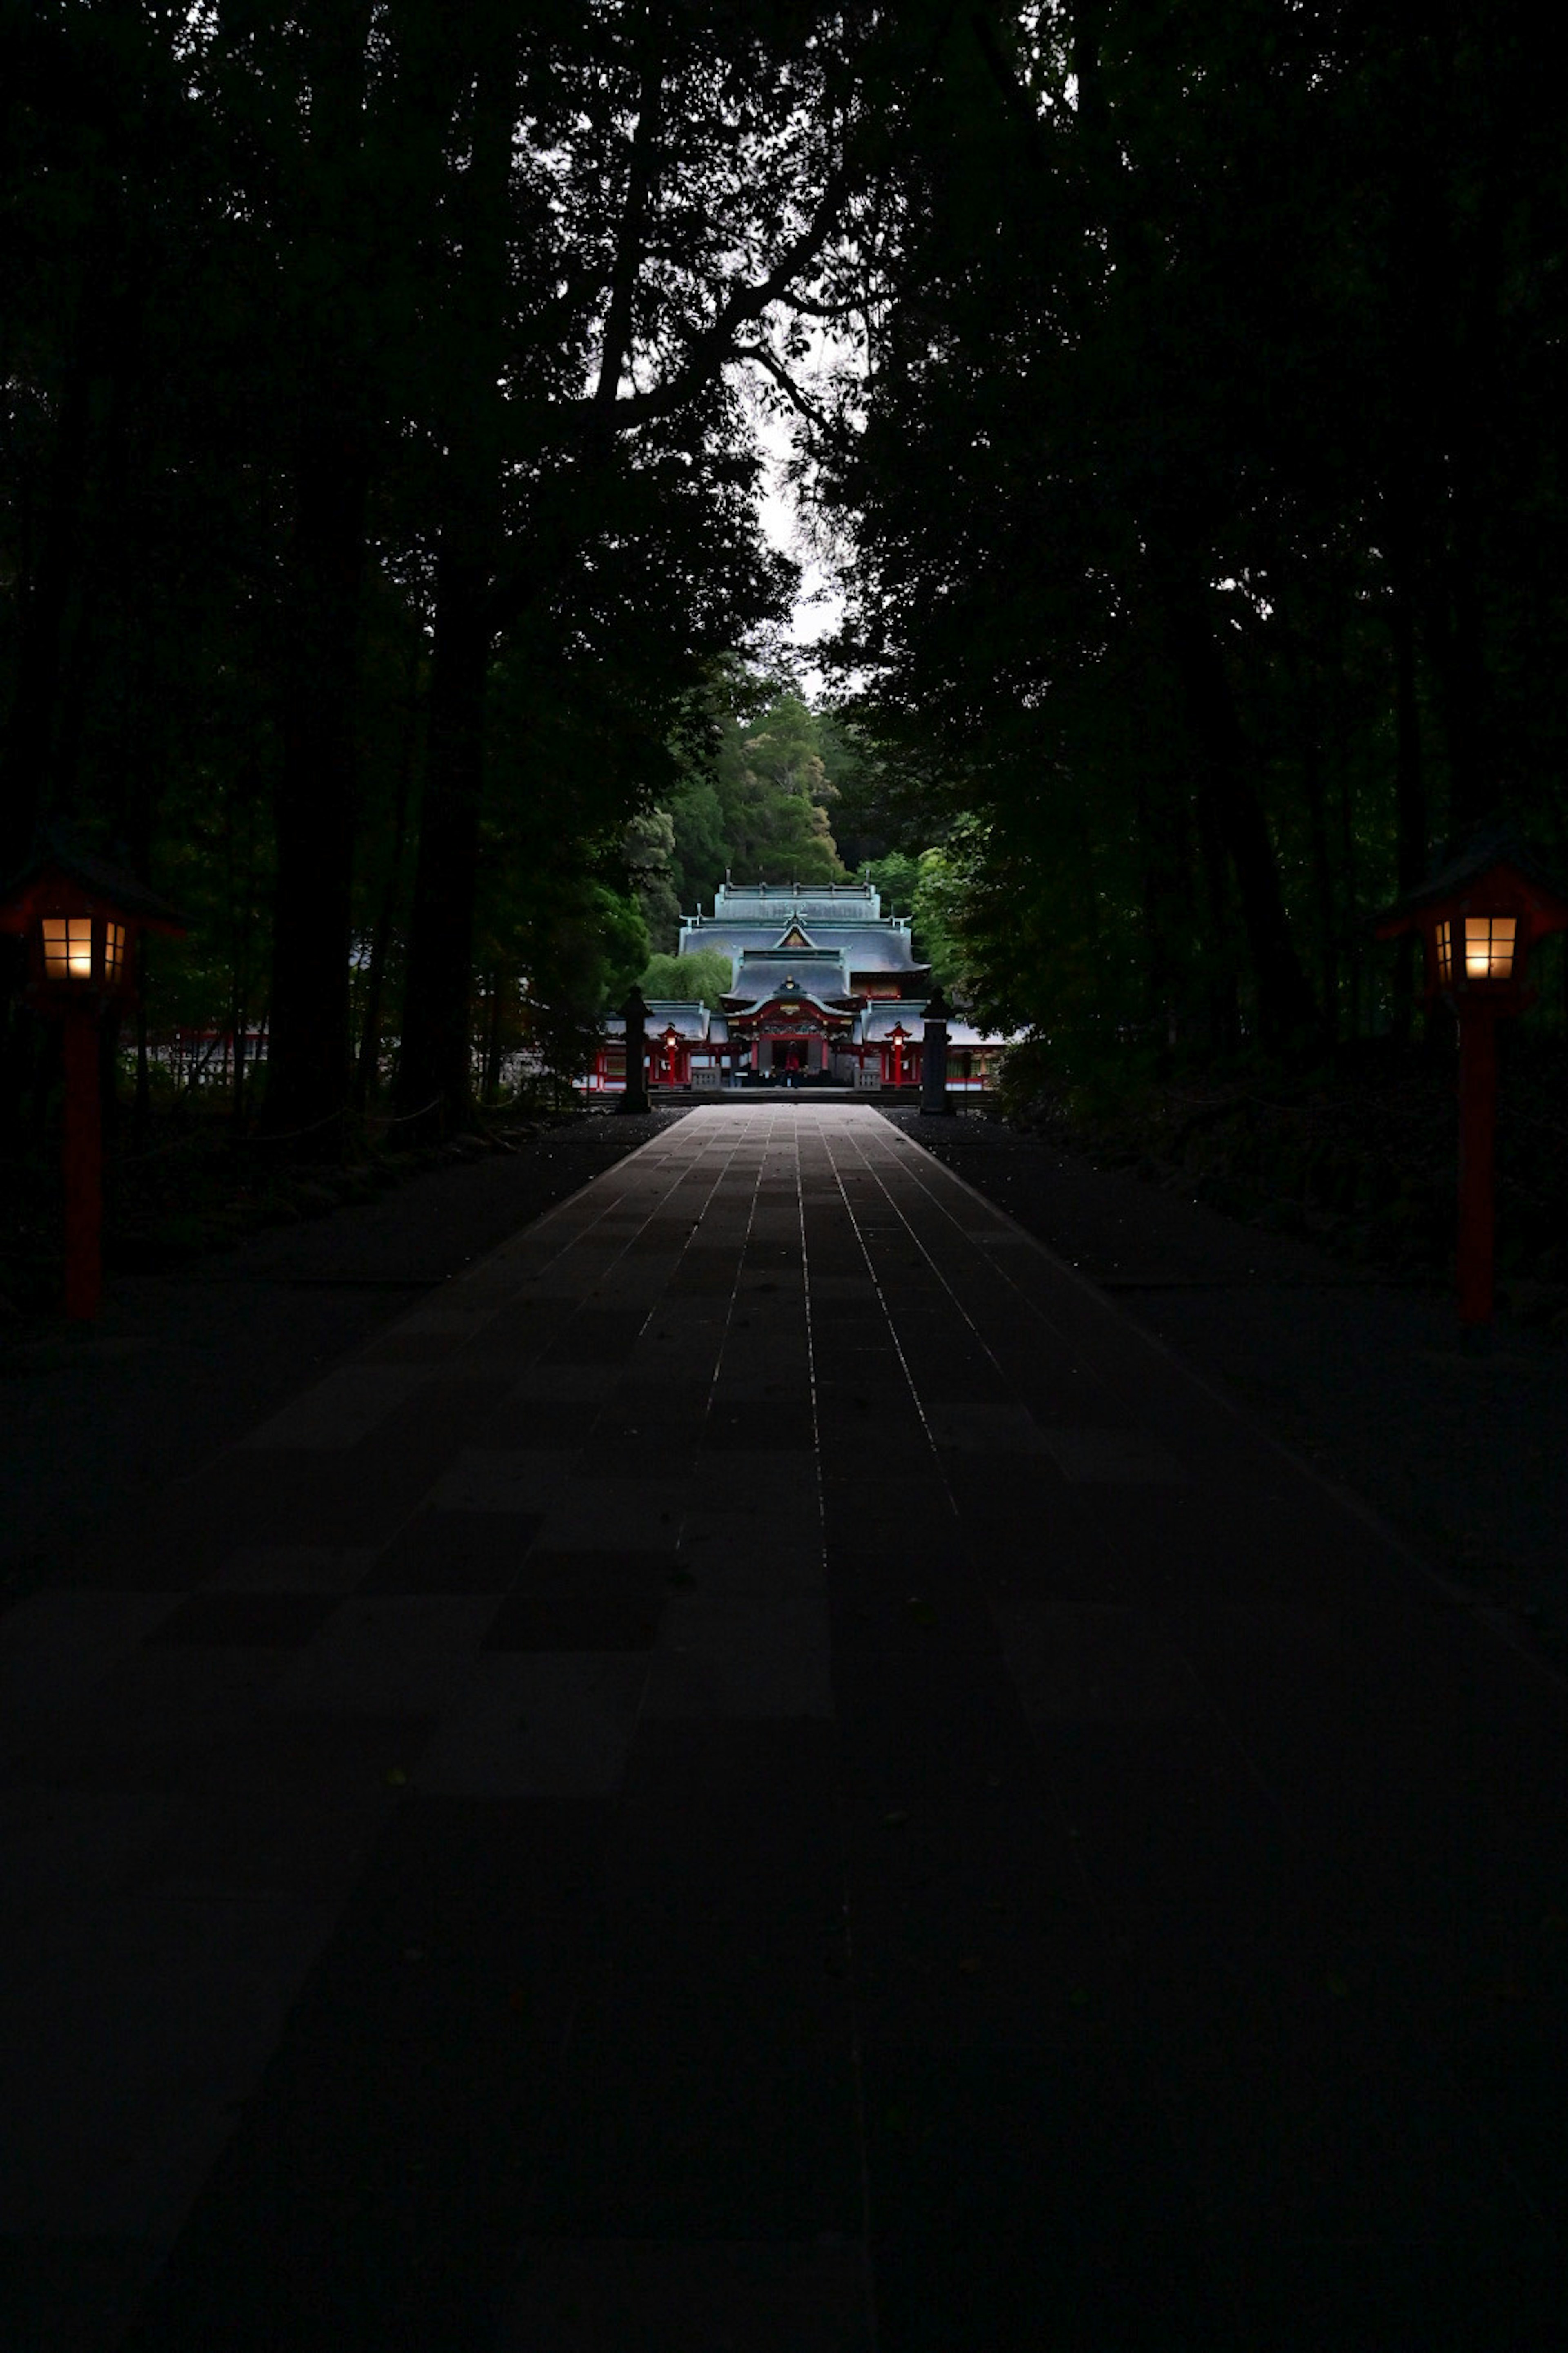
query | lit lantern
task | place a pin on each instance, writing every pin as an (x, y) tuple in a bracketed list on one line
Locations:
[(79, 917), (1478, 917)]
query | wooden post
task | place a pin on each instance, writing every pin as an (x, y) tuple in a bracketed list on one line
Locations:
[(633, 1095), (83, 1165), (933, 1058), (1478, 1128)]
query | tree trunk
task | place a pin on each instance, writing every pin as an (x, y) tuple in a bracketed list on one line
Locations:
[(335, 214), (435, 1063), (1473, 794), (1323, 862), (42, 735), (238, 1015), (493, 1040), (435, 1059), (1285, 1008), (1413, 846), (368, 1073), (1355, 957), (1471, 790), (307, 1085), (1166, 912)]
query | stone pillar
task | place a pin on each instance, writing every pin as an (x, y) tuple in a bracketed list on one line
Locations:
[(933, 1058), (634, 1097)]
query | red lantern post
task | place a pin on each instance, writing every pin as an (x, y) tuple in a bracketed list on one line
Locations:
[(80, 918), (1478, 919)]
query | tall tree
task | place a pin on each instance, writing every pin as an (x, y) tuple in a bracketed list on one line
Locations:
[(1187, 384), (473, 323), (670, 175)]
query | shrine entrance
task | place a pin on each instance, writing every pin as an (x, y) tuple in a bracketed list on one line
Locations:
[(789, 1056)]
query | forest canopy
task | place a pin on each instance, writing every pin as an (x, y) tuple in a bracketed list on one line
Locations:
[(381, 574), (1200, 458)]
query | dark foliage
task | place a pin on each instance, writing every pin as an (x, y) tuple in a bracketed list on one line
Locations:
[(1204, 488)]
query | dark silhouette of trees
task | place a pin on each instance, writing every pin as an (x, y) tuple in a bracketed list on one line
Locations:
[(376, 493), (1201, 487), (348, 345), (682, 171)]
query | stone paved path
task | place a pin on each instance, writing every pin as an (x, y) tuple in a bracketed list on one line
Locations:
[(771, 1774)]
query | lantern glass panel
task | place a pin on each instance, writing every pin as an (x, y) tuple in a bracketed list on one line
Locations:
[(1489, 946), (1445, 953), (67, 947)]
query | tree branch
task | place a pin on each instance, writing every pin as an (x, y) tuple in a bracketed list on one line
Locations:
[(834, 311), (1014, 96), (629, 243), (782, 377), (714, 347)]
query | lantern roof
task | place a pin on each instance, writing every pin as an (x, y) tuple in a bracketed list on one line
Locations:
[(1493, 852), (687, 1016), (59, 870)]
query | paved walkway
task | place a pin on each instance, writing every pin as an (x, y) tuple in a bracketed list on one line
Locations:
[(771, 1774)]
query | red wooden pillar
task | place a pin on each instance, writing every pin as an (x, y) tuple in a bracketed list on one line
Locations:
[(1478, 1130), (83, 1164)]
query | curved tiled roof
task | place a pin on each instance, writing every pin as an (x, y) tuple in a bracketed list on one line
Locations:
[(744, 1007), (758, 977), (687, 1017), (884, 946)]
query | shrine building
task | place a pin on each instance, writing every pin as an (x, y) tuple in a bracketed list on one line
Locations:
[(826, 990)]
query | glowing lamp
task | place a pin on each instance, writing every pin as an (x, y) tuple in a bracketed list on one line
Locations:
[(1483, 945), (1479, 918), (82, 948), (78, 918)]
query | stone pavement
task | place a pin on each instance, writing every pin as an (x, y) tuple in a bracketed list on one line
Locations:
[(96, 1420), (1358, 1371), (771, 1773)]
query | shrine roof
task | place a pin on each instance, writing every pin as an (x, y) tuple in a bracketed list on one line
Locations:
[(792, 949), (804, 902), (852, 925), (884, 947), (964, 1033), (759, 974), (744, 1009), (879, 1021), (687, 1017), (889, 1013), (899, 958)]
